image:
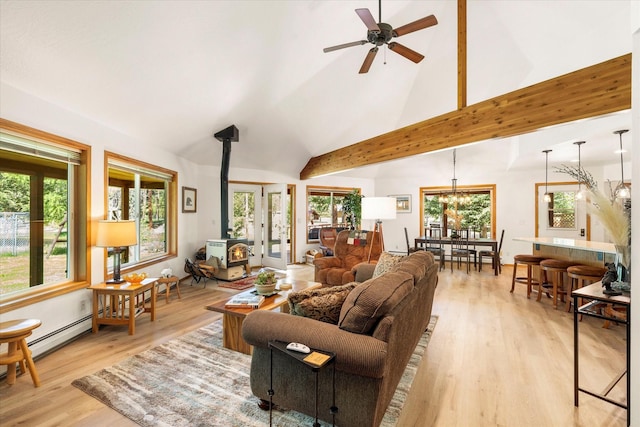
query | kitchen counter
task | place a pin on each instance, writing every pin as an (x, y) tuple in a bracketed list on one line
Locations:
[(583, 251)]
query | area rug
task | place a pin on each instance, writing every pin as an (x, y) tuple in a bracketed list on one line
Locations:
[(247, 282), (193, 381)]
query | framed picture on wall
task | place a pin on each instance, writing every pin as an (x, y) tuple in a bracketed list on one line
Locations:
[(189, 199), (403, 203)]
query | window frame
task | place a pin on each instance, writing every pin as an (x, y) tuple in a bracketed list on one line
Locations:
[(172, 210), (477, 188), (320, 188), (79, 223)]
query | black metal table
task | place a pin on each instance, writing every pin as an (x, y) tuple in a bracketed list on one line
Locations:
[(596, 297), (303, 358)]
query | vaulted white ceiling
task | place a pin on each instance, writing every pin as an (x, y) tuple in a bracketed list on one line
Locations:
[(171, 73)]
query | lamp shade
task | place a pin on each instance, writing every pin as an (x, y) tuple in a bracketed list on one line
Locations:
[(116, 234), (378, 208)]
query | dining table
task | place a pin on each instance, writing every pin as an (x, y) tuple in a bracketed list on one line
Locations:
[(420, 242)]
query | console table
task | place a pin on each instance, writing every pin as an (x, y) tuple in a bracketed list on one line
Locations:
[(593, 293), (113, 298)]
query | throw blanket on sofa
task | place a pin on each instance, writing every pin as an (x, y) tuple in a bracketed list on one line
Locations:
[(357, 238)]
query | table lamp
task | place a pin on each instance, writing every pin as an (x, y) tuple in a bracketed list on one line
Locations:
[(117, 235), (378, 208)]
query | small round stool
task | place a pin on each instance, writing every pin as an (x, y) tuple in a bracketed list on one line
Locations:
[(530, 261), (582, 275), (14, 332), (557, 268), (168, 281)]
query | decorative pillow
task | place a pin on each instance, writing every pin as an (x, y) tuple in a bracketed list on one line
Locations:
[(385, 263), (373, 299), (322, 304)]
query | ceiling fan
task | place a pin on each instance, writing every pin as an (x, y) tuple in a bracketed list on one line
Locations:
[(381, 33)]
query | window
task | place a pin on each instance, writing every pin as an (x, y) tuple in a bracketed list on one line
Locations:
[(147, 194), (324, 209), (477, 215), (562, 210), (43, 215)]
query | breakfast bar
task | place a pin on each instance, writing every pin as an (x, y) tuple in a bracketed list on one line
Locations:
[(583, 251)]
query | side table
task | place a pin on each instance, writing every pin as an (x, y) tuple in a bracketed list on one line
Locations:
[(114, 298), (316, 361), (593, 293), (168, 281)]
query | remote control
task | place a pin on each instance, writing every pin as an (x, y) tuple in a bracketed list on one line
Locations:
[(300, 348)]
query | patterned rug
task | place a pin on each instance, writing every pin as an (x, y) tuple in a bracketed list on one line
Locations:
[(193, 381), (247, 282)]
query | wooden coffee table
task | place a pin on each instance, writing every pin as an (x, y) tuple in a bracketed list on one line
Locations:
[(232, 318)]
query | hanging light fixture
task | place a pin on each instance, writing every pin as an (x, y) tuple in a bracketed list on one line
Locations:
[(622, 191), (580, 194), (454, 196), (547, 196)]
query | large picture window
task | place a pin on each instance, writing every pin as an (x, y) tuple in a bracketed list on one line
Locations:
[(325, 209), (146, 194), (476, 214), (43, 215)]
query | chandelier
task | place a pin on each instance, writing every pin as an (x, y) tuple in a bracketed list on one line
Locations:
[(454, 196), (622, 191)]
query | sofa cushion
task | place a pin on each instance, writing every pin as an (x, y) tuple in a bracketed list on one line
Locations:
[(373, 299), (322, 304), (385, 262)]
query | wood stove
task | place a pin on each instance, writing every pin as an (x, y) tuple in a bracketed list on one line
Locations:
[(233, 257)]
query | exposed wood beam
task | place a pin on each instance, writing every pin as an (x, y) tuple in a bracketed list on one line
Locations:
[(462, 54), (592, 91)]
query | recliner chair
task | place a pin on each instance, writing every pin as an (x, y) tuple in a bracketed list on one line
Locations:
[(340, 268)]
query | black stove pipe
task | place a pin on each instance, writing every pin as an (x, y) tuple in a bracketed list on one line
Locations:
[(226, 136)]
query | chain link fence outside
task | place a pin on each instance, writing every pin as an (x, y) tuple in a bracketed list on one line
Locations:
[(14, 232)]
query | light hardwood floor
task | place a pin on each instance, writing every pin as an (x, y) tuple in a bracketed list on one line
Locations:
[(495, 359)]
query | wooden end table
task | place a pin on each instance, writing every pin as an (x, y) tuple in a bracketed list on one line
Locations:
[(167, 281), (232, 318), (113, 298)]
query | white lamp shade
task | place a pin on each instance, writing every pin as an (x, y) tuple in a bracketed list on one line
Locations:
[(378, 208), (115, 234)]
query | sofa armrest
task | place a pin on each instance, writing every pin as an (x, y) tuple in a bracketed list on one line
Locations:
[(363, 271), (356, 354), (327, 262)]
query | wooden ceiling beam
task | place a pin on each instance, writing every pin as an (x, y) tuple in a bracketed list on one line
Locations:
[(592, 91)]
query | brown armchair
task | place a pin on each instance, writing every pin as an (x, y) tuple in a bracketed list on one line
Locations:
[(340, 269)]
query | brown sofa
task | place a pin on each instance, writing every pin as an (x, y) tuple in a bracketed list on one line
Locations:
[(339, 269), (381, 321)]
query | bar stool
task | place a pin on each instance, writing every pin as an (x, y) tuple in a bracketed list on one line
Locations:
[(582, 275), (14, 332), (530, 261), (557, 268)]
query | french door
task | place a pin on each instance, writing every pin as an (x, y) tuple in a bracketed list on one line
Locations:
[(259, 214)]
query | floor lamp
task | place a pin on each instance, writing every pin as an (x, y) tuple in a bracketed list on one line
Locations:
[(378, 208), (117, 235)]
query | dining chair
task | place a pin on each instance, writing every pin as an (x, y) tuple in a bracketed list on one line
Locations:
[(460, 248), (492, 255), (436, 246), (410, 248)]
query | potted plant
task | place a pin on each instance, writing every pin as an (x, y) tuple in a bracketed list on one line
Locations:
[(265, 282), (352, 208)]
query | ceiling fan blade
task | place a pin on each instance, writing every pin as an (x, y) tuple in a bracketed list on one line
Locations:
[(368, 60), (368, 19), (410, 54), (342, 46), (420, 24)]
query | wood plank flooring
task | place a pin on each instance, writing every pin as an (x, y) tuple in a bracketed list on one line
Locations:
[(495, 359)]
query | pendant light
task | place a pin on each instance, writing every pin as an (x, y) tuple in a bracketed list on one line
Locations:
[(622, 191), (454, 196), (547, 196), (580, 194)]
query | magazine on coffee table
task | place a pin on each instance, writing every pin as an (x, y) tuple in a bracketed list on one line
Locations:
[(248, 299)]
